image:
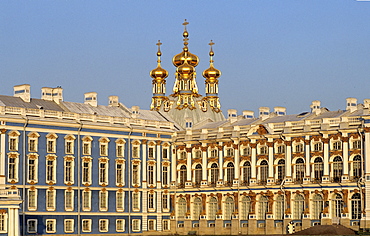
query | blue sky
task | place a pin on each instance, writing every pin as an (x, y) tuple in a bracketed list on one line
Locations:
[(271, 53)]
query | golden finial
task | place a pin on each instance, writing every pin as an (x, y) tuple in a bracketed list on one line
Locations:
[(185, 34), (159, 53), (211, 53)]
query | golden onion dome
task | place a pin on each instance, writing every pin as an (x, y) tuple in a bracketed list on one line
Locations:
[(185, 69), (185, 55), (159, 72), (211, 72)]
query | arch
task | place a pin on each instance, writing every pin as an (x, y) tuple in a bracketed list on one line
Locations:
[(279, 207), (198, 174), (298, 208), (337, 205), (230, 173), (197, 208), (356, 206), (337, 169), (317, 206), (246, 173), (245, 207), (318, 168), (229, 208), (212, 208), (181, 207), (262, 207)]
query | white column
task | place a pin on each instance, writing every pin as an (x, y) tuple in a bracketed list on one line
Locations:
[(221, 161), (16, 222), (288, 158), (270, 145), (2, 156), (144, 162), (254, 160), (188, 162), (159, 170), (11, 222), (173, 155), (326, 157), (204, 162), (345, 157), (307, 153), (237, 160), (366, 158)]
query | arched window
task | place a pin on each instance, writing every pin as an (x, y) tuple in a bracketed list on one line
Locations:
[(182, 174), (229, 208), (279, 207), (197, 208), (298, 206), (299, 170), (198, 174), (214, 174), (280, 170), (356, 167), (337, 205), (318, 206), (263, 172), (337, 169), (356, 206), (245, 207), (230, 174), (212, 208), (246, 173), (262, 208), (318, 169), (181, 208)]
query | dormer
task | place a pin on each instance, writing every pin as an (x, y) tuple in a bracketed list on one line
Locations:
[(135, 111), (280, 111), (113, 101), (248, 114), (91, 98), (316, 107), (232, 115), (23, 91), (367, 103), (264, 112)]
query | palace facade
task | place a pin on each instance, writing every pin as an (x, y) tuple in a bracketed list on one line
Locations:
[(83, 168)]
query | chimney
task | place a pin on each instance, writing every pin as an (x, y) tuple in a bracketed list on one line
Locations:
[(264, 112), (351, 104), (280, 111), (315, 107), (135, 111), (91, 98), (23, 91), (47, 93), (248, 114), (113, 101), (58, 94), (232, 115), (367, 103)]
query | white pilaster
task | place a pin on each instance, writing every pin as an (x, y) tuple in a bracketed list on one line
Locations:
[(159, 170), (254, 160), (173, 155), (188, 162), (221, 161), (326, 158), (204, 162), (144, 160), (345, 157), (271, 158), (288, 159)]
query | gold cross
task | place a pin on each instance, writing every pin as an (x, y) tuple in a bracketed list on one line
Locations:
[(211, 43)]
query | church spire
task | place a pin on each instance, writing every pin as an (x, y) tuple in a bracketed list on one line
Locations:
[(159, 76), (211, 75)]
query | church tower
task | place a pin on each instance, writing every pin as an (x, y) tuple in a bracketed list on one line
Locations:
[(185, 105)]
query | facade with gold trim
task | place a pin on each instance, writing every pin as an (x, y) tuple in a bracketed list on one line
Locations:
[(83, 168)]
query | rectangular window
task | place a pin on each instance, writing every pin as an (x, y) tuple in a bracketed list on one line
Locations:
[(32, 200), (86, 225), (13, 144), (13, 169), (166, 225), (32, 170), (119, 173), (3, 223), (103, 200), (151, 201), (51, 146), (151, 152), (151, 225), (120, 201), (50, 171), (68, 171), (165, 153), (135, 152), (69, 226), (50, 226), (165, 175), (119, 151), (32, 145), (103, 225), (86, 150), (150, 174), (31, 226), (86, 201), (135, 225), (103, 149), (86, 173), (68, 201), (120, 225), (103, 173), (69, 147), (165, 201), (135, 174), (135, 202), (50, 200)]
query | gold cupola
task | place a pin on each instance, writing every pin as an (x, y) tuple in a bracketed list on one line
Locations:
[(159, 76), (185, 55), (211, 73)]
